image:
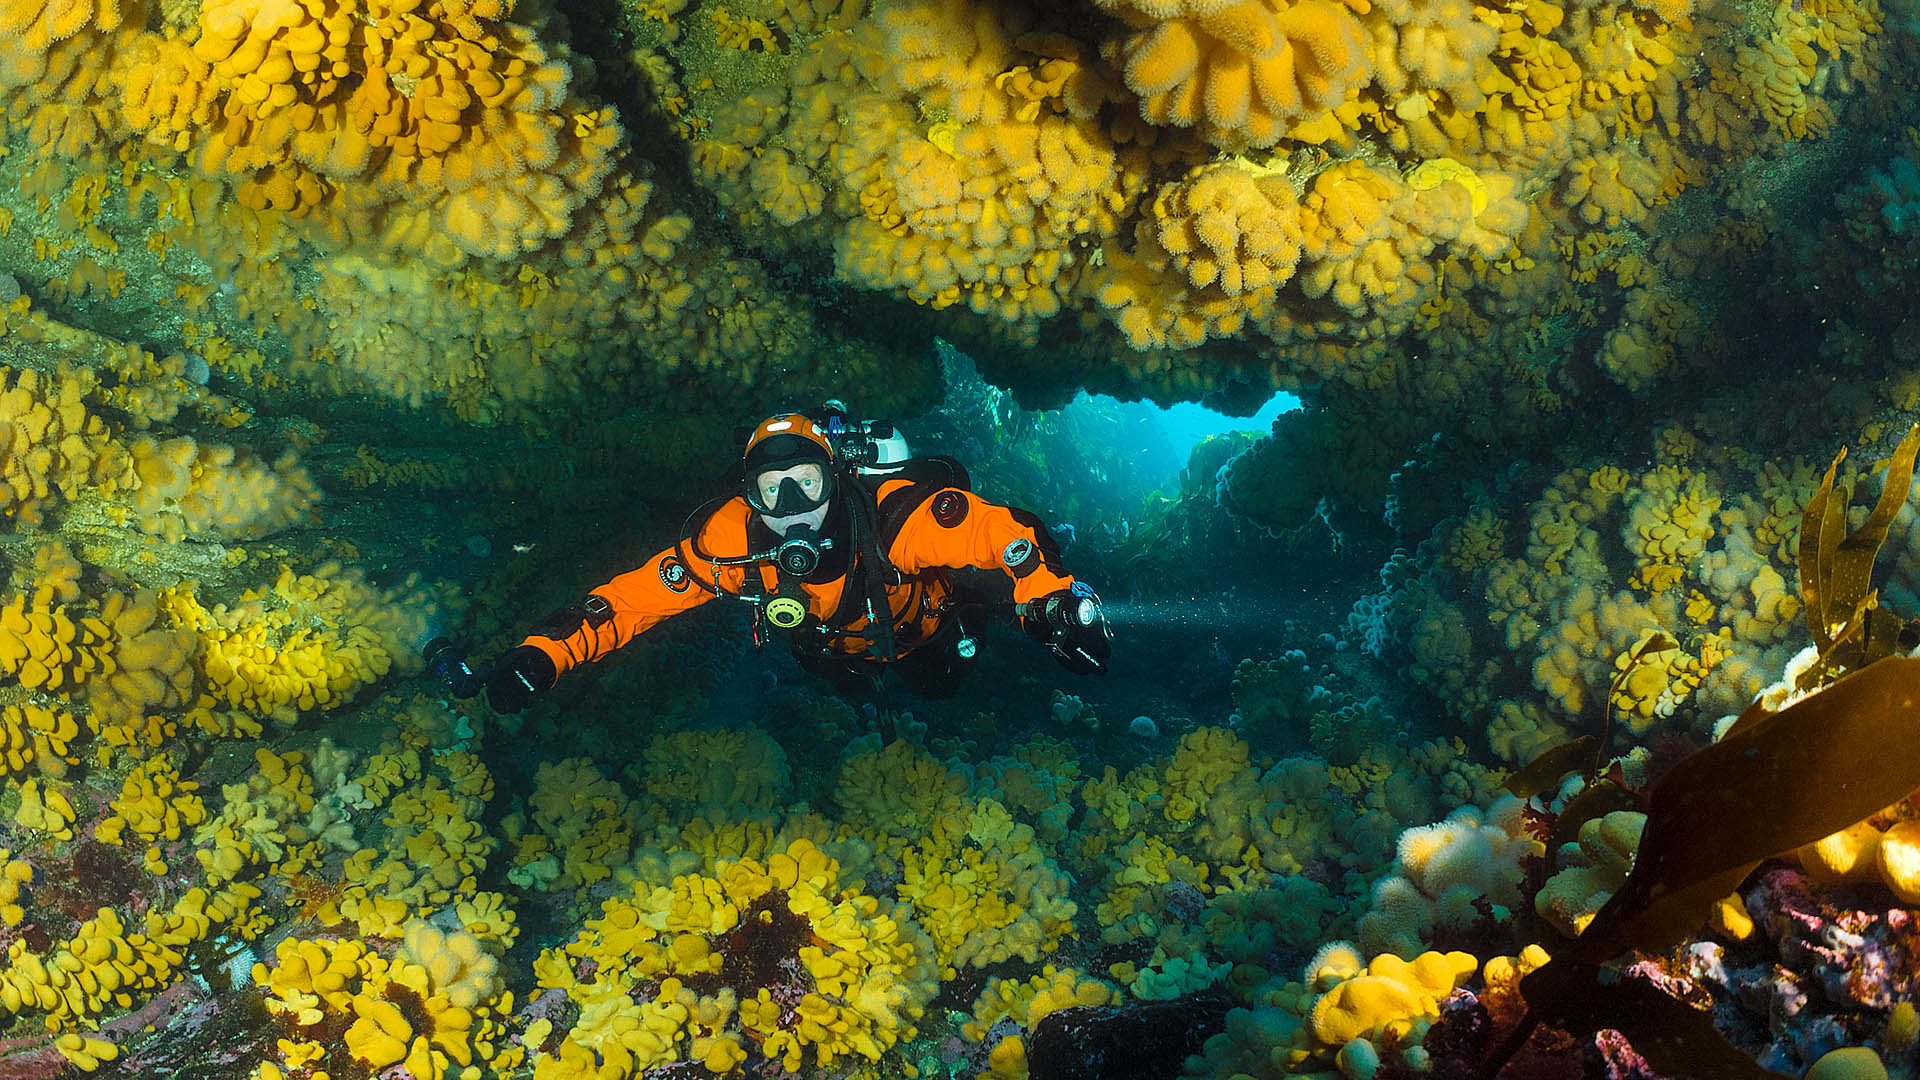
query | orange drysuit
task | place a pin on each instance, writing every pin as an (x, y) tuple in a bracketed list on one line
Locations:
[(922, 535)]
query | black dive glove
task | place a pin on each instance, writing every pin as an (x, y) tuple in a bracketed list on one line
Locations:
[(1071, 623), (518, 676)]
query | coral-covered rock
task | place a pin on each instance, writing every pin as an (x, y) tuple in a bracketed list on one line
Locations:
[(1823, 971), (1857, 944)]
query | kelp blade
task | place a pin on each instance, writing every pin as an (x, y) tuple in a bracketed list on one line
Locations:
[(1546, 769), (1836, 569), (1850, 570), (1825, 762)]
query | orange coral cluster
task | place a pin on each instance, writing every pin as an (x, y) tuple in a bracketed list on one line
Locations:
[(974, 153), (982, 208), (1318, 175), (50, 442), (35, 27), (986, 166), (57, 63)]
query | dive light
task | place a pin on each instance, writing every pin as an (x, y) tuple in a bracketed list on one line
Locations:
[(1061, 612), (448, 663)]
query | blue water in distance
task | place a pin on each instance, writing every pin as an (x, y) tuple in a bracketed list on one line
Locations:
[(1189, 422)]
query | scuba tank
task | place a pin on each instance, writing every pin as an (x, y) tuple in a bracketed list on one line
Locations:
[(871, 447)]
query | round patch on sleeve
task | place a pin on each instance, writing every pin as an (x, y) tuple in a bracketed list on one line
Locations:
[(949, 508), (673, 574)]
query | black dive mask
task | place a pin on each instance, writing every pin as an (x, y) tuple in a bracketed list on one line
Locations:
[(791, 499)]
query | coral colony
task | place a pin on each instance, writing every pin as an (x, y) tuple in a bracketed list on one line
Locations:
[(1549, 710)]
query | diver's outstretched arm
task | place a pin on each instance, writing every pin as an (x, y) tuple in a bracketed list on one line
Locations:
[(605, 620), (956, 528)]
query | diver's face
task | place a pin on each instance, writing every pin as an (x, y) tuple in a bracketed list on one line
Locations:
[(796, 496), (809, 481)]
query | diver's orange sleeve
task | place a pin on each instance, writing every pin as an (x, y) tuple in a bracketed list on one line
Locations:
[(958, 528), (636, 601)]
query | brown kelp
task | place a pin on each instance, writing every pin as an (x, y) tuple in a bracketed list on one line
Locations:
[(1777, 779)]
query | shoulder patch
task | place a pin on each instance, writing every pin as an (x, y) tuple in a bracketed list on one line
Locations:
[(949, 508), (674, 575)]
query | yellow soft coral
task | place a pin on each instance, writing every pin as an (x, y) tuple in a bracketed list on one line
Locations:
[(51, 442), (1651, 682), (14, 873), (1229, 226), (899, 789), (1243, 72), (151, 667), (457, 113), (1385, 1004), (106, 965), (1130, 902), (1214, 249), (990, 222), (1030, 1000), (1519, 731), (34, 27), (189, 489), (47, 809), (582, 826), (1571, 897), (155, 803), (986, 890), (310, 641), (1347, 1018), (1669, 522), (435, 1005), (288, 814), (717, 768), (46, 649), (32, 736), (868, 975), (435, 851)]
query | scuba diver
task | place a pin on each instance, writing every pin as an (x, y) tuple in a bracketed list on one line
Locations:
[(842, 542)]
